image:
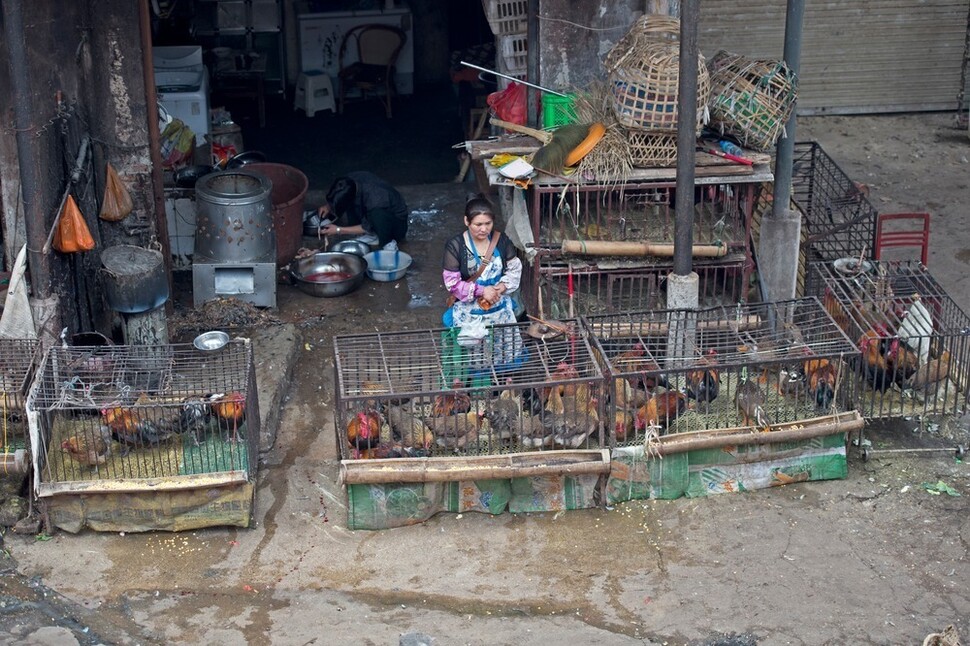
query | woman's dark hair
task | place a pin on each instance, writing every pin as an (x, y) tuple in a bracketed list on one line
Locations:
[(341, 195), (478, 205)]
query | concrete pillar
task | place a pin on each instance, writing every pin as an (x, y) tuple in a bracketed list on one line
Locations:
[(778, 254), (682, 295)]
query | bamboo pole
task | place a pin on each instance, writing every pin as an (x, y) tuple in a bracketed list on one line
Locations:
[(618, 329), (792, 432), (633, 248), (489, 467)]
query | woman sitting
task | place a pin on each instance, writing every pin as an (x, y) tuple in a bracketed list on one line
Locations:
[(481, 268)]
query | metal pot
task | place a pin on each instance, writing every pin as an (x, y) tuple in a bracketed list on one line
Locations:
[(312, 275), (355, 247), (188, 176), (134, 278)]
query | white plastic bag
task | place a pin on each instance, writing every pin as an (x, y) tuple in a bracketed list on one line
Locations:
[(17, 321), (472, 332)]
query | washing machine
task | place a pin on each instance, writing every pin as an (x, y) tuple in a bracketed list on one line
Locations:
[(182, 85)]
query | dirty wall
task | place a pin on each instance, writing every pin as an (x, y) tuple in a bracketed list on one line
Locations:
[(84, 79)]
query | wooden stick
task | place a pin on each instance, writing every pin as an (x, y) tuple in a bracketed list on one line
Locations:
[(630, 248), (488, 467), (551, 326), (541, 135)]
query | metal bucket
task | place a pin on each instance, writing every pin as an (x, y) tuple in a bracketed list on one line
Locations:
[(134, 278), (234, 219)]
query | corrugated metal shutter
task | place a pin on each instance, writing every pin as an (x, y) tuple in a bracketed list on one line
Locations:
[(857, 56)]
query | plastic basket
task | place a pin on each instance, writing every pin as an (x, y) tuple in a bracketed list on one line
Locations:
[(558, 110), (506, 16), (515, 51)]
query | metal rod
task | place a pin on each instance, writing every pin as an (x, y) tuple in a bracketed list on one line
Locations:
[(512, 78), (532, 70), (786, 145), (686, 137), (958, 450)]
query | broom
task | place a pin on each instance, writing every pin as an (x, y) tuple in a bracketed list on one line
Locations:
[(557, 144)]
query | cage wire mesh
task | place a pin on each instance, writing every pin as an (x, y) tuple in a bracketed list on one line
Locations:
[(675, 371), (431, 393), (914, 339), (575, 216), (838, 220), (103, 414), (18, 360)]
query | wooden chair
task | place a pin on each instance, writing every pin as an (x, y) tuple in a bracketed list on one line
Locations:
[(376, 48), (914, 237)]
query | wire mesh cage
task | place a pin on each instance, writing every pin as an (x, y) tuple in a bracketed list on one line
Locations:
[(433, 393), (18, 360), (914, 340), (601, 228), (674, 371), (838, 219), (629, 288), (104, 418)]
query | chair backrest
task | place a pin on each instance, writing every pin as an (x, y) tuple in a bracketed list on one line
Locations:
[(375, 44), (918, 236)]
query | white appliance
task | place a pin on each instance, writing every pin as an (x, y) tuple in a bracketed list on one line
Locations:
[(322, 33), (182, 85)]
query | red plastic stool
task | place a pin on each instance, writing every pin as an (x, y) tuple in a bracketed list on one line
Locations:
[(905, 238)]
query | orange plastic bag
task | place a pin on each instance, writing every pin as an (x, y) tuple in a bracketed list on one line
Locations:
[(509, 104), (72, 233), (117, 201)]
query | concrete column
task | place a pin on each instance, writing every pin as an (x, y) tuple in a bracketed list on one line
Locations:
[(778, 254), (682, 295)]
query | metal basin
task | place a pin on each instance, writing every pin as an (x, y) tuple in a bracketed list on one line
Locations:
[(328, 274), (355, 247)]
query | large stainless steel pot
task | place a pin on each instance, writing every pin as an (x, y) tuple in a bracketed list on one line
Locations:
[(234, 218), (328, 274), (134, 278)]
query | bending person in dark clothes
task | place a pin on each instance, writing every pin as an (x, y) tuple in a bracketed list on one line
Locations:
[(367, 207)]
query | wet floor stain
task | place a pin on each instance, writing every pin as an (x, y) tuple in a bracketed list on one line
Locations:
[(963, 256)]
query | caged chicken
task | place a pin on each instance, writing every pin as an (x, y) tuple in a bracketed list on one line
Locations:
[(89, 450), (453, 403), (455, 431), (821, 375), (230, 410), (410, 431), (364, 430), (574, 427), (502, 415), (139, 425), (750, 401), (928, 377), (703, 383), (660, 411), (636, 360)]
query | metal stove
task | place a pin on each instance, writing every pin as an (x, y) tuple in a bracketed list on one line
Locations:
[(235, 239), (182, 85)]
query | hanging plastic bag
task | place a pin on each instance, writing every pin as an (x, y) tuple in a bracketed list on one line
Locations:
[(509, 104), (117, 201), (17, 320), (178, 144), (72, 233)]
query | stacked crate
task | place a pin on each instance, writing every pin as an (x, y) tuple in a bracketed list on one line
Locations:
[(146, 420), (568, 219), (674, 371), (431, 393), (508, 20), (913, 338)]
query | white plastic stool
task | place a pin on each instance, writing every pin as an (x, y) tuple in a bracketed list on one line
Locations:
[(314, 92)]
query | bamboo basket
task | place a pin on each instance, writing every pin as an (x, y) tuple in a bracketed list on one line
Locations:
[(644, 73), (649, 149), (751, 99)]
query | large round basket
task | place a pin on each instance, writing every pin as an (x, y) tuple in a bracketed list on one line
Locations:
[(751, 99), (644, 75)]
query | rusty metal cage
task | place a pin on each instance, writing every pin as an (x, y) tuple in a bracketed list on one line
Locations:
[(432, 393), (625, 289), (18, 360), (584, 226), (137, 418), (768, 352), (914, 339), (838, 220)]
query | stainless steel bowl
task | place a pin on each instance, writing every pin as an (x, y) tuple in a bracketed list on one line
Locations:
[(355, 247), (210, 341), (328, 274)]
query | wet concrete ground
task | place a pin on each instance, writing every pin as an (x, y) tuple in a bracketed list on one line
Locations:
[(872, 559)]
